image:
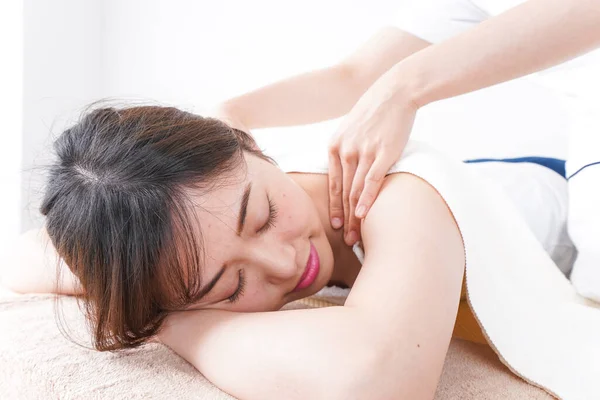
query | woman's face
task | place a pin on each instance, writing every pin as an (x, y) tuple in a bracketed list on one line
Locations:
[(258, 229)]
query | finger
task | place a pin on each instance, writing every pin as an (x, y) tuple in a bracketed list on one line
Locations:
[(336, 207), (348, 161), (357, 187), (372, 185)]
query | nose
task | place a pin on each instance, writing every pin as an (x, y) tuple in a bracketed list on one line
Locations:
[(276, 261)]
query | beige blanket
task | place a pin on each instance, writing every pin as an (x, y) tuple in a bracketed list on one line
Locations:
[(37, 362)]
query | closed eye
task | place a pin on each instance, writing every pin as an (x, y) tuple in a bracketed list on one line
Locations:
[(240, 289), (271, 219)]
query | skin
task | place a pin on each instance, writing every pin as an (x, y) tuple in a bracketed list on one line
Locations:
[(272, 257)]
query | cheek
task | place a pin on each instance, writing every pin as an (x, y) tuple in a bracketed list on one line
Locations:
[(260, 298), (295, 211)]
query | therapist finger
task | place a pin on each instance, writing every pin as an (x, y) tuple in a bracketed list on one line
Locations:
[(348, 159), (336, 207), (372, 185), (357, 188)]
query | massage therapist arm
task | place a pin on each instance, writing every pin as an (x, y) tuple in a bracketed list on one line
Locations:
[(533, 36), (325, 93), (530, 37)]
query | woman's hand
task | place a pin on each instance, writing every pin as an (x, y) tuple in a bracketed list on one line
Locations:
[(368, 142)]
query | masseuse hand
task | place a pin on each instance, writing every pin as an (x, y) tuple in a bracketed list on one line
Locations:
[(368, 142)]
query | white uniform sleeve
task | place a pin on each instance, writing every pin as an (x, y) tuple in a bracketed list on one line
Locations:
[(438, 20)]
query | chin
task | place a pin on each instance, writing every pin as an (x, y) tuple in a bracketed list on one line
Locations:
[(321, 281), (317, 285)]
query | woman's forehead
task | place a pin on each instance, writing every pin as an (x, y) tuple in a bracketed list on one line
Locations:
[(217, 212), (226, 197), (219, 205), (220, 210)]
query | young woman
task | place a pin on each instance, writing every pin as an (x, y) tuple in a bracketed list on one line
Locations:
[(156, 211), (177, 228)]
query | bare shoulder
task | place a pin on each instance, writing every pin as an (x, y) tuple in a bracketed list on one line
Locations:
[(407, 204), (408, 231)]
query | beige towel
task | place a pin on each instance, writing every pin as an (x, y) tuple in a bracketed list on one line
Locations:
[(37, 362)]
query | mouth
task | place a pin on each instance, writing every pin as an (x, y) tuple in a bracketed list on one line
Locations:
[(311, 271)]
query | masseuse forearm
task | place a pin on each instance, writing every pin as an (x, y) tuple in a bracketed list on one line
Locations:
[(324, 93), (307, 98), (533, 36)]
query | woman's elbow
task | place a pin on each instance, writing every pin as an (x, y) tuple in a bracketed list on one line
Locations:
[(16, 277), (8, 281), (30, 265), (11, 270)]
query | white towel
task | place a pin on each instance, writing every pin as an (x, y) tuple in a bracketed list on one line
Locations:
[(583, 170)]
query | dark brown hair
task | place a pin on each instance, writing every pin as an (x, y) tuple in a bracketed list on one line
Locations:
[(118, 214)]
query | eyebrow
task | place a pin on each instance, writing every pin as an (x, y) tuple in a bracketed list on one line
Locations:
[(243, 209), (241, 220)]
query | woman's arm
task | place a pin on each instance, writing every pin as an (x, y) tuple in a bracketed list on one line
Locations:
[(326, 93), (324, 353), (409, 286), (388, 341), (31, 266), (530, 37)]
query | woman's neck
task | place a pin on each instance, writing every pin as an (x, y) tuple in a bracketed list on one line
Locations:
[(346, 266)]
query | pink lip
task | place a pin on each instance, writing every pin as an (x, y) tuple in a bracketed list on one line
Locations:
[(312, 270)]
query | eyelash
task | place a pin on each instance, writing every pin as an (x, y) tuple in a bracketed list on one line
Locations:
[(272, 217), (268, 225), (240, 290)]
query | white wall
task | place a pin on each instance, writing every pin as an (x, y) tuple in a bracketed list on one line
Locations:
[(11, 114), (197, 52)]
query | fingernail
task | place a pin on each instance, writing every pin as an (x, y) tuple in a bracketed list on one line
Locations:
[(336, 223), (352, 237), (360, 211)]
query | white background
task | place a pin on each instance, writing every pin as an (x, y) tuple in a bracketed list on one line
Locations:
[(192, 54)]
